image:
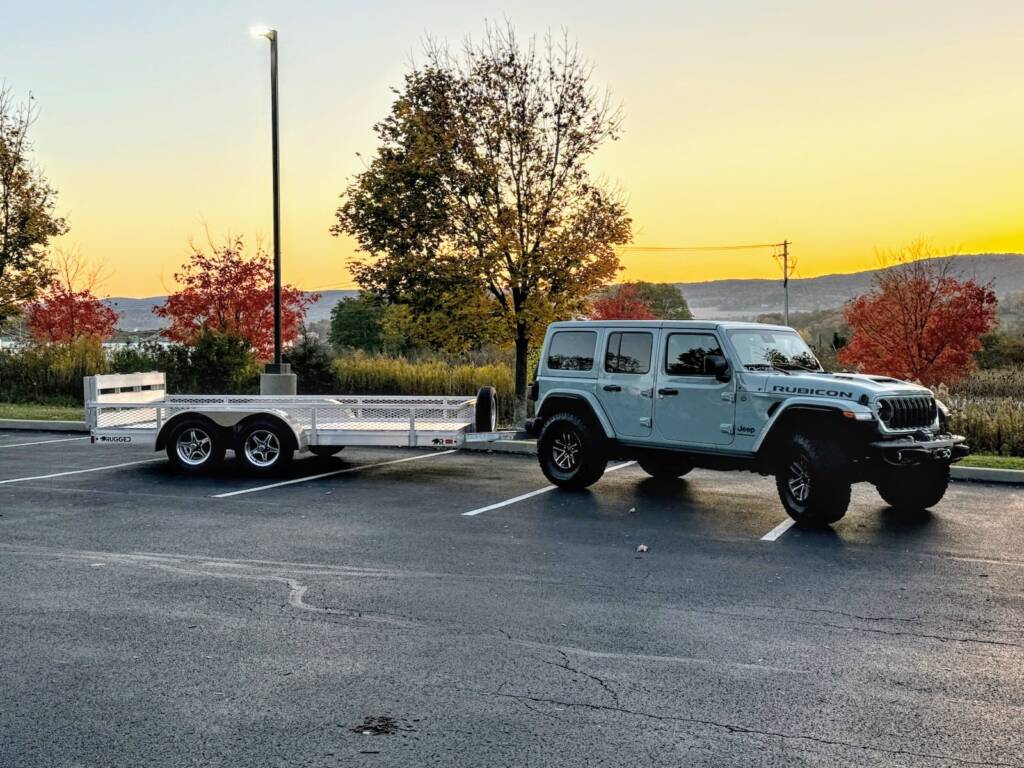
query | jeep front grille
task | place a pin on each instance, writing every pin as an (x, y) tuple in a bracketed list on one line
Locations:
[(907, 412)]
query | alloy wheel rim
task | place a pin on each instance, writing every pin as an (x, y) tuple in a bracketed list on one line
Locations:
[(800, 480), (262, 448), (194, 447), (565, 451)]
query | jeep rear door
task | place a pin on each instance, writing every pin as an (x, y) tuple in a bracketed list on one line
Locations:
[(690, 406), (625, 382)]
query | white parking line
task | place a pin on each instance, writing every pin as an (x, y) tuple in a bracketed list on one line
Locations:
[(779, 529), (43, 442), (531, 494), (79, 471), (328, 474)]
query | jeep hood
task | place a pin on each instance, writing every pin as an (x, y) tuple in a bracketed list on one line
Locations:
[(846, 386)]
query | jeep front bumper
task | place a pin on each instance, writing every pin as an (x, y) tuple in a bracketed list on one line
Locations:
[(910, 450)]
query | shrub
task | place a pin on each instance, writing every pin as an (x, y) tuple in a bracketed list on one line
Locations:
[(218, 364), (988, 408), (360, 373), (50, 373), (312, 362)]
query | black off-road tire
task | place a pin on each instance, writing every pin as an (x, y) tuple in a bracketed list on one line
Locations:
[(263, 447), (664, 466), (824, 469), (325, 451), (571, 452), (485, 416), (195, 446), (916, 488)]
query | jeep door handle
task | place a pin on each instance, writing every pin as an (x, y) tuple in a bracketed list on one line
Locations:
[(666, 392), (612, 388)]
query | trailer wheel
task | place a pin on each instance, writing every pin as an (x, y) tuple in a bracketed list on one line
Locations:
[(263, 448), (195, 447), (486, 415), (325, 451)]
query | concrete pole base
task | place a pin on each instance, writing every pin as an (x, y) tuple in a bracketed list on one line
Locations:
[(281, 383)]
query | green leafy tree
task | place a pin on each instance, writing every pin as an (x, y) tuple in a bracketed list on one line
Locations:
[(27, 217), (480, 187), (356, 323), (665, 300)]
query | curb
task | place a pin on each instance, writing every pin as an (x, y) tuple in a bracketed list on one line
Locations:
[(969, 474), (988, 475), (40, 425)]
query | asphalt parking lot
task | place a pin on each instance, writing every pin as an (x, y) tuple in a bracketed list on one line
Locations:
[(362, 617)]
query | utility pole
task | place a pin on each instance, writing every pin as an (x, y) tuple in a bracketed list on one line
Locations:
[(785, 279)]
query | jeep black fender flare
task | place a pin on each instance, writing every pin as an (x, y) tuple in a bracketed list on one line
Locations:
[(585, 404), (811, 417)]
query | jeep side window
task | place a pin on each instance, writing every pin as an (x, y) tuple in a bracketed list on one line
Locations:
[(686, 353), (572, 350), (628, 353)]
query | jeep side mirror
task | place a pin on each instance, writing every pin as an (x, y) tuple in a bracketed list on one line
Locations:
[(717, 366)]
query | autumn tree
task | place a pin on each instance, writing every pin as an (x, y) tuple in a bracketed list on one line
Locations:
[(622, 302), (69, 309), (920, 321), (231, 293), (27, 210), (480, 189), (665, 300)]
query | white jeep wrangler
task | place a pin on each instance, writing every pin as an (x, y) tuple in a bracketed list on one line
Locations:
[(675, 395)]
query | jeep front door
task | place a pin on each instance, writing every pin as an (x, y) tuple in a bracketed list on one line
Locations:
[(691, 406), (626, 382)]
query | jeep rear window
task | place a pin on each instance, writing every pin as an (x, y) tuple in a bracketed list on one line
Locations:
[(572, 350), (687, 351), (628, 353)]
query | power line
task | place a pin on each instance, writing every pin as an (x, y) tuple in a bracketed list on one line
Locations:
[(671, 248)]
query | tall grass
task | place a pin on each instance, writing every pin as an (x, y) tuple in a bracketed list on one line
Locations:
[(360, 373), (988, 408), (49, 374)]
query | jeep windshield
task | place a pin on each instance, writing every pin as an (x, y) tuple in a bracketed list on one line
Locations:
[(762, 350)]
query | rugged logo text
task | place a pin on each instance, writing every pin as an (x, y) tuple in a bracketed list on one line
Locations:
[(809, 391)]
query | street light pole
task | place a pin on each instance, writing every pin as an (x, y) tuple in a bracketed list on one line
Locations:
[(278, 366)]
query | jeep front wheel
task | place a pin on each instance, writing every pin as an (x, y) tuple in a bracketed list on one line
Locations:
[(912, 489), (813, 481), (571, 452)]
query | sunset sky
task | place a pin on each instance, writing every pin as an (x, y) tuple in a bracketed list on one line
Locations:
[(841, 126)]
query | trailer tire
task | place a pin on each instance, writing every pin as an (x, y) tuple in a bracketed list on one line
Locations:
[(195, 446), (325, 451), (571, 451), (485, 418), (263, 447)]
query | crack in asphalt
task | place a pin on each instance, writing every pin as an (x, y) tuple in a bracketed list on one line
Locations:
[(734, 728), (569, 668)]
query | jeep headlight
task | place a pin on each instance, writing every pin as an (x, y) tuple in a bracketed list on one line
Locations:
[(944, 412)]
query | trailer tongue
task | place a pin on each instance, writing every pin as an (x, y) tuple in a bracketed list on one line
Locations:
[(264, 431)]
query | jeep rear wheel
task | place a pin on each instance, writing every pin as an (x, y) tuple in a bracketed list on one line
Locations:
[(664, 467), (813, 481), (571, 452), (912, 489)]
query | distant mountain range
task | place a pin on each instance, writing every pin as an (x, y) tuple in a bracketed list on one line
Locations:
[(723, 299)]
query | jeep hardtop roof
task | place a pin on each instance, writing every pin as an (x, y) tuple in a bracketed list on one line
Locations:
[(703, 325)]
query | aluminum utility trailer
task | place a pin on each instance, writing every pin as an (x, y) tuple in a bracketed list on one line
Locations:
[(264, 431)]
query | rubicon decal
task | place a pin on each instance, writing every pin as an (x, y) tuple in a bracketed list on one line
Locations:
[(813, 392)]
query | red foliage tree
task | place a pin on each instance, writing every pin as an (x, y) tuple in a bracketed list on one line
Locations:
[(69, 308), (64, 314), (919, 322), (623, 302), (228, 292)]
